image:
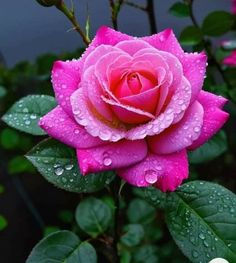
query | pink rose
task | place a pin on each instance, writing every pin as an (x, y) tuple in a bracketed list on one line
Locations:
[(233, 9), (231, 59), (134, 105)]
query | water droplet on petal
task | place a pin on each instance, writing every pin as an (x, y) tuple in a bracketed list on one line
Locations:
[(151, 176)]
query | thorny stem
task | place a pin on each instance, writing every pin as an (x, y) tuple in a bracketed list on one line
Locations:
[(71, 16), (207, 46), (115, 9)]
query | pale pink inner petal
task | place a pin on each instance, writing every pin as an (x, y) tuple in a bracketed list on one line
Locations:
[(132, 46), (94, 92), (112, 156), (128, 114), (95, 125), (180, 135)]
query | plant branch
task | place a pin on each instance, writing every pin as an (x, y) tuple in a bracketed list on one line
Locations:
[(115, 6), (151, 16), (143, 8), (207, 46), (71, 16)]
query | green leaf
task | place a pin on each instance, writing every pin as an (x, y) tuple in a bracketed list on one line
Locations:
[(66, 216), (25, 113), (3, 91), (9, 138), (139, 211), (125, 257), (62, 246), (48, 230), (180, 9), (210, 150), (155, 197), (133, 235), (2, 189), (19, 164), (146, 254), (217, 23), (3, 223), (93, 216), (191, 35), (58, 164), (201, 217)]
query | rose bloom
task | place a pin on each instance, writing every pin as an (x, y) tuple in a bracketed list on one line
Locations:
[(231, 59), (233, 9), (135, 105)]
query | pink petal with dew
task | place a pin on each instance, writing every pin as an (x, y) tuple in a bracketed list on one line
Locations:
[(181, 135), (194, 66), (97, 53), (65, 80), (60, 126), (101, 68), (106, 131), (133, 46), (145, 101), (166, 41), (105, 36), (128, 114), (172, 114), (112, 156), (165, 172), (94, 91), (214, 117)]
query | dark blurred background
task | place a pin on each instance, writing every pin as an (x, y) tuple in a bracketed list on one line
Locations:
[(28, 29)]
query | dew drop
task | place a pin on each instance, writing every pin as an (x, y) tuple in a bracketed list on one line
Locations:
[(107, 161), (201, 236), (69, 167), (33, 116), (151, 176), (59, 171), (27, 122), (194, 253), (196, 129), (25, 110)]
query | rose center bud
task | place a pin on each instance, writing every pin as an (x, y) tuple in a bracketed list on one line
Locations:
[(134, 83)]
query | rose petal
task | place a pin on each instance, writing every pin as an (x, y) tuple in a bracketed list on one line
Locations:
[(65, 80), (60, 126), (165, 172), (95, 125), (111, 156), (127, 113), (194, 66), (132, 46), (181, 135), (94, 92), (165, 41), (214, 117)]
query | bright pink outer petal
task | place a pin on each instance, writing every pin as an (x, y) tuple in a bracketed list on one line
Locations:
[(166, 172), (65, 80), (60, 126), (94, 91), (165, 41), (106, 131), (194, 66), (214, 117), (132, 46), (106, 36), (181, 135), (111, 156)]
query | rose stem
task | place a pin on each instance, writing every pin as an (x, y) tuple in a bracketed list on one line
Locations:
[(207, 46), (71, 16), (115, 9)]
